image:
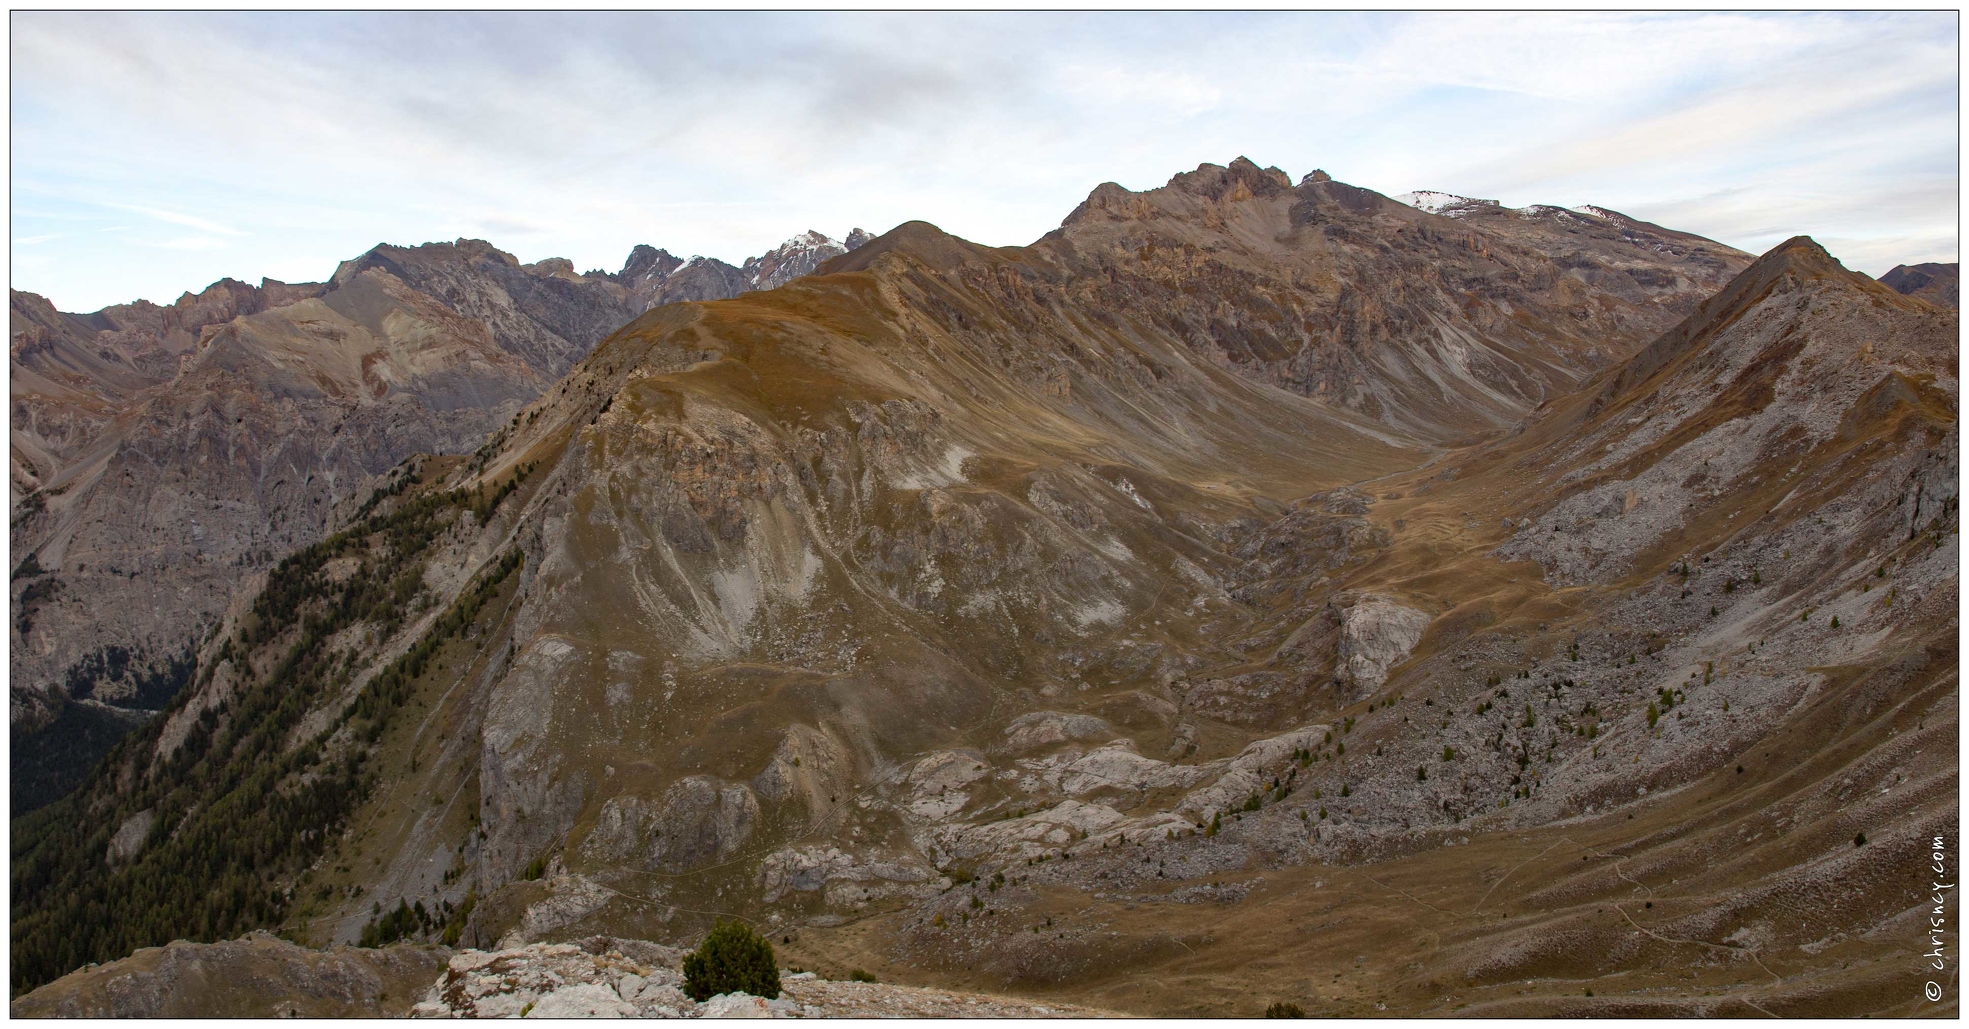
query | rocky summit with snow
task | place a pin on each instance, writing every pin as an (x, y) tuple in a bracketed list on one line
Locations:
[(796, 257)]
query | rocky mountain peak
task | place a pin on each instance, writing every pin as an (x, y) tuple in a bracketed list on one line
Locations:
[(1240, 179), (1794, 328), (920, 240), (798, 256), (377, 256), (646, 263), (1356, 319), (1799, 258), (1800, 255), (553, 267), (1935, 283)]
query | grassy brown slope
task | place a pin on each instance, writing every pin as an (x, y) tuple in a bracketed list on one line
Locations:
[(1785, 874), (1625, 906)]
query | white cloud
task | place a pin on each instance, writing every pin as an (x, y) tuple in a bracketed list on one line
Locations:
[(184, 243), (1189, 93), (580, 136), (174, 218)]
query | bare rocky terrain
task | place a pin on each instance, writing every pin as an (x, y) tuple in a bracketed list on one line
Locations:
[(1250, 592), (256, 976)]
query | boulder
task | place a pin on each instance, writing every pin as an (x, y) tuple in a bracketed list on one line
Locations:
[(1375, 635)]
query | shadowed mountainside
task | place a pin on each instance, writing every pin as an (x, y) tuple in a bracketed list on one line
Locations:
[(1935, 283)]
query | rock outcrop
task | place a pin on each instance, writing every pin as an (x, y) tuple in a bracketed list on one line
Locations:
[(1375, 635), (257, 976), (603, 977)]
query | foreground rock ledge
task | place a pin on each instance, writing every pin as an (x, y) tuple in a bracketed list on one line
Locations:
[(256, 976), (261, 975), (609, 978)]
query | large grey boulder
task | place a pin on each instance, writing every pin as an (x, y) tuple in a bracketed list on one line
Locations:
[(1375, 635)]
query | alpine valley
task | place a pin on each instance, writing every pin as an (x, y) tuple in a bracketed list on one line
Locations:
[(1253, 591)]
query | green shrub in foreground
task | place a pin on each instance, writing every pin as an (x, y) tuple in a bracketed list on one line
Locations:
[(732, 959)]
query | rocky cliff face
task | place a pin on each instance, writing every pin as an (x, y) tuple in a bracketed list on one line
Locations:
[(1023, 606)]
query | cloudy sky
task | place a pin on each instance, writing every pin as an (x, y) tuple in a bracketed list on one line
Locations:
[(155, 153)]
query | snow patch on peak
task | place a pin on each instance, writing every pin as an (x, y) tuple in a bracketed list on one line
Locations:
[(807, 240), (1450, 205), (790, 260), (1447, 204)]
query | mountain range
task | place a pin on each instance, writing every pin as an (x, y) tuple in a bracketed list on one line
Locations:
[(1251, 590), (163, 456)]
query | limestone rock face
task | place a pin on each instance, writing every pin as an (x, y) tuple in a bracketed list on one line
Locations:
[(846, 881), (1045, 728), (696, 821), (592, 979), (1800, 352), (581, 1000), (130, 836), (737, 1005), (169, 453), (1375, 635)]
